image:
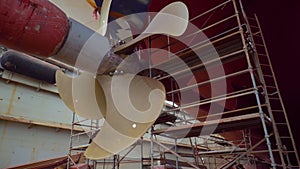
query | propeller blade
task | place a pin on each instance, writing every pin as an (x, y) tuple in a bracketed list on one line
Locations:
[(108, 142), (64, 87), (104, 17), (80, 11), (133, 104), (82, 94), (177, 16)]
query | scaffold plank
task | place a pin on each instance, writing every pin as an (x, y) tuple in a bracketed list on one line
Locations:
[(210, 127)]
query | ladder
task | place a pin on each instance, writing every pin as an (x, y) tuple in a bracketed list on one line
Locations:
[(275, 107)]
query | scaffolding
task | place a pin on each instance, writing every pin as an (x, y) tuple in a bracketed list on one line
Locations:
[(82, 131), (253, 129)]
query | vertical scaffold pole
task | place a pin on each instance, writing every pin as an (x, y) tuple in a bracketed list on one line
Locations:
[(255, 87), (71, 142), (151, 149)]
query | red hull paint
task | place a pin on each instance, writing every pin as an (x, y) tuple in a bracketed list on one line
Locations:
[(36, 27)]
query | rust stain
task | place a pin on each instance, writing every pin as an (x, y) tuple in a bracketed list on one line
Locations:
[(33, 151), (11, 100), (3, 132)]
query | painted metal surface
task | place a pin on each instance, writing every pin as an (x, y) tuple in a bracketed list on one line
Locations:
[(30, 123), (39, 85), (20, 144), (22, 101), (82, 39), (42, 29), (25, 25)]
